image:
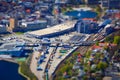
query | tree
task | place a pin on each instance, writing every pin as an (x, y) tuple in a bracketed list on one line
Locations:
[(88, 54), (109, 39), (117, 40), (75, 54), (66, 68), (102, 65), (97, 43), (98, 11)]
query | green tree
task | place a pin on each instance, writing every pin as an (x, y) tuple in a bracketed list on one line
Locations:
[(102, 65), (98, 11), (97, 43), (66, 68), (85, 78), (109, 39), (75, 54), (88, 54), (117, 40)]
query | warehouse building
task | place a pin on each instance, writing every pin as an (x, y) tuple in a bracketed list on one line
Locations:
[(14, 49)]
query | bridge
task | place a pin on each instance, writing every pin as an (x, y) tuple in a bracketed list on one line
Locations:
[(53, 44)]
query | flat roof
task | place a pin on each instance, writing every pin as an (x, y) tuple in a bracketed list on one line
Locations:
[(15, 46), (54, 29), (35, 22), (107, 78)]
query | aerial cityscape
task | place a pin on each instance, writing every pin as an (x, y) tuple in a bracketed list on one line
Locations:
[(60, 39)]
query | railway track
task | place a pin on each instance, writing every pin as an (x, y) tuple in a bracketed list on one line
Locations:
[(82, 49)]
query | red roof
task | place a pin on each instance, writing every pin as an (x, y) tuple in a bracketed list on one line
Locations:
[(91, 19), (103, 44), (96, 47), (106, 44), (28, 10), (113, 45), (78, 60), (65, 73), (117, 15), (79, 55)]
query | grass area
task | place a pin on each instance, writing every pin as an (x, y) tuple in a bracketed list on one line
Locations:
[(19, 33), (26, 72), (20, 72), (20, 59), (113, 38), (24, 68)]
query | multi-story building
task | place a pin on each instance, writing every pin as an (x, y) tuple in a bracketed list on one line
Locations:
[(61, 1), (86, 26), (11, 24), (108, 29), (28, 5), (111, 3), (34, 25), (30, 1), (75, 1), (91, 2), (51, 20), (3, 29), (105, 3)]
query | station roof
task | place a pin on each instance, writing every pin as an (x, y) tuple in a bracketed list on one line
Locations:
[(16, 46), (54, 29)]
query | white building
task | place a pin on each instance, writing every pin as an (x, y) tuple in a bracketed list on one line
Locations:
[(34, 25), (61, 1), (51, 20)]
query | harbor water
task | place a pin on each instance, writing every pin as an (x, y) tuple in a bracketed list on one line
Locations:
[(9, 71)]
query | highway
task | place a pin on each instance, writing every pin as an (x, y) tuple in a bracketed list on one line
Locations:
[(34, 64), (51, 62), (55, 62)]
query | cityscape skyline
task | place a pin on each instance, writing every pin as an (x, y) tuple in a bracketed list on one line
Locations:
[(60, 39)]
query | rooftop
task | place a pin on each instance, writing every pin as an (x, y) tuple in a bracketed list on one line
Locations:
[(54, 29), (90, 19), (96, 47), (35, 21), (2, 26), (107, 78), (16, 46)]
